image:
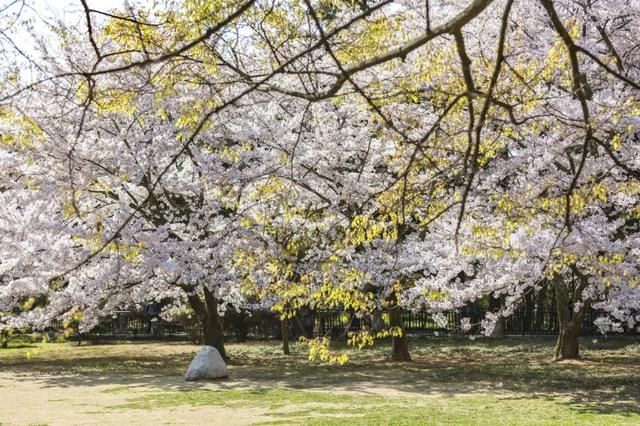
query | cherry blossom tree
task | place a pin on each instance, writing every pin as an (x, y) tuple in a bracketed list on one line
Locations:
[(373, 155)]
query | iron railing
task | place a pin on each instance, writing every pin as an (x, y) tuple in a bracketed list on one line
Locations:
[(264, 325)]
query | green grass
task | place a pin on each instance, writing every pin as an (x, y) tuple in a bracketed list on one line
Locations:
[(451, 381), (68, 358), (303, 407)]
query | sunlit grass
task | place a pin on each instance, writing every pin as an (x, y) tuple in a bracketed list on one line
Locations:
[(286, 406), (450, 381)]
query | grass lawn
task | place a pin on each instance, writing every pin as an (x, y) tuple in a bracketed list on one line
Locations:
[(451, 381)]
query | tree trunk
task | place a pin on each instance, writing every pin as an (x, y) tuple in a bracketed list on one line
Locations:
[(4, 340), (540, 306), (569, 319), (207, 311), (400, 351), (242, 329), (498, 330), (284, 330), (495, 303), (567, 346), (303, 328), (377, 323), (213, 331)]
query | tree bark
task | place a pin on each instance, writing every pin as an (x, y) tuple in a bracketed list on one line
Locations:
[(569, 320), (207, 311), (400, 350), (540, 306), (495, 303), (213, 330), (284, 331), (567, 346)]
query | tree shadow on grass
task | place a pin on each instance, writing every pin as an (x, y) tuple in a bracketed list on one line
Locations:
[(608, 382), (590, 402), (21, 345)]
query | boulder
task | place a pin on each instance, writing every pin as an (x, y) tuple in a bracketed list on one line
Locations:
[(207, 364)]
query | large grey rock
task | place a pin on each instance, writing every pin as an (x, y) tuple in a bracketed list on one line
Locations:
[(207, 364)]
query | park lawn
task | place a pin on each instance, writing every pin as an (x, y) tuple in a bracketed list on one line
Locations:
[(450, 381)]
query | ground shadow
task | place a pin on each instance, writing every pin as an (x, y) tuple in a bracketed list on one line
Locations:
[(606, 381)]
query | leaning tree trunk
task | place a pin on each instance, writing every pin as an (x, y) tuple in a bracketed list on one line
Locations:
[(207, 311), (569, 320), (400, 350)]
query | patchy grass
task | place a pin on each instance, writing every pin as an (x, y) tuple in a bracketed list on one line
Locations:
[(450, 381), (125, 358), (323, 408)]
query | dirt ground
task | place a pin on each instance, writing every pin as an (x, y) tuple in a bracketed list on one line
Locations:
[(61, 384), (68, 385), (35, 400)]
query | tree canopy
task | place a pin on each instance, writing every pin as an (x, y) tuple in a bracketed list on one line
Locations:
[(368, 155)]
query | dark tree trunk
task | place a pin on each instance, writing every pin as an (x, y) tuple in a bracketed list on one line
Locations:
[(474, 312), (213, 331), (495, 303), (305, 320), (4, 340), (284, 331), (242, 329), (400, 351), (569, 319), (377, 323), (211, 322), (567, 346), (540, 306)]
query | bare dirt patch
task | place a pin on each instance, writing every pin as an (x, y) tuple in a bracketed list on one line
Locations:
[(35, 400)]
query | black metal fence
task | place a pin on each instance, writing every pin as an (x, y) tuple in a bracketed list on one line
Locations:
[(266, 325)]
